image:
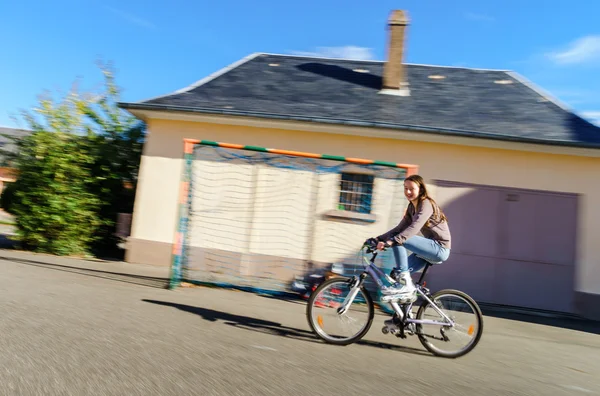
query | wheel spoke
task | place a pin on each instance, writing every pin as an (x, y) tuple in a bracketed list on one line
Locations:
[(328, 324), (457, 340)]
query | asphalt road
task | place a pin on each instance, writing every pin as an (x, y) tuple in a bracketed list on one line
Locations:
[(71, 331)]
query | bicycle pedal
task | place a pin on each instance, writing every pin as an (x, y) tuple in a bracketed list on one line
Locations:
[(390, 327)]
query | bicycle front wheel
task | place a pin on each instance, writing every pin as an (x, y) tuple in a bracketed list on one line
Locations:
[(450, 341), (331, 326)]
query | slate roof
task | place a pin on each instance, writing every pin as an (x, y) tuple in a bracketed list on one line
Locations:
[(466, 102), (7, 146)]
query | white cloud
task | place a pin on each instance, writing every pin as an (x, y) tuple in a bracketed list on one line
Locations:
[(592, 116), (479, 17), (345, 52), (133, 19), (583, 50)]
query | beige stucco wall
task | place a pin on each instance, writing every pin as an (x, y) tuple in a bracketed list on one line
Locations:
[(157, 196)]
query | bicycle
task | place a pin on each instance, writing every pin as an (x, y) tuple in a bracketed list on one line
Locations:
[(402, 322)]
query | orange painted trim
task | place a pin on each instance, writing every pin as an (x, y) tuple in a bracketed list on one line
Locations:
[(412, 170), (231, 145), (178, 243), (185, 188), (188, 145), (294, 153), (360, 161)]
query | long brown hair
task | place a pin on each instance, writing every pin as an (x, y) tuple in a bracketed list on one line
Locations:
[(438, 215)]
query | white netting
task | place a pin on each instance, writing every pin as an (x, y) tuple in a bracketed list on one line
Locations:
[(262, 220)]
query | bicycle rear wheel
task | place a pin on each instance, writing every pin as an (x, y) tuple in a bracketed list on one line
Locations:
[(328, 324), (468, 324)]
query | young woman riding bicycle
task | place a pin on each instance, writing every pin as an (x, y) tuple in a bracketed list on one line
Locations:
[(330, 319), (424, 216)]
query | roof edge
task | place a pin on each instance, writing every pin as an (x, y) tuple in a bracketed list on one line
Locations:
[(219, 73), (208, 78), (540, 91), (546, 94), (377, 61), (356, 123), (14, 128)]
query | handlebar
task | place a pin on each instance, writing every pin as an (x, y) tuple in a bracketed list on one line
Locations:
[(371, 246)]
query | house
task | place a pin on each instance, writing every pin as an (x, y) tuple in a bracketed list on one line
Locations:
[(514, 170), (7, 147)]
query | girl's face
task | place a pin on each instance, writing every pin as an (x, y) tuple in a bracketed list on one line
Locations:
[(411, 190)]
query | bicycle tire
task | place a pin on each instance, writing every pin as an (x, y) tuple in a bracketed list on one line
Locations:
[(425, 341), (346, 341)]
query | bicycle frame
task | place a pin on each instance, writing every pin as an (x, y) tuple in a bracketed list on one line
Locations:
[(377, 274)]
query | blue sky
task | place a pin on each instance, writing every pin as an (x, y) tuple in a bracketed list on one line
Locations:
[(158, 47)]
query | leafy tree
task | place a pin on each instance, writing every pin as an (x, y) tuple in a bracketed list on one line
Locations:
[(117, 141), (56, 212), (76, 172)]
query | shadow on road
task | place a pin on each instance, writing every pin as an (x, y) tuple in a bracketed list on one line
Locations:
[(114, 276), (274, 328), (552, 320), (289, 299)]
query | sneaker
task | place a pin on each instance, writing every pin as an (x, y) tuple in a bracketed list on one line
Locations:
[(405, 289), (404, 293), (400, 298), (398, 289)]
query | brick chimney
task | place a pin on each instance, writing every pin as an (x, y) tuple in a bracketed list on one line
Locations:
[(394, 75)]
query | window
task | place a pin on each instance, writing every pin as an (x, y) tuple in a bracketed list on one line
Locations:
[(356, 192)]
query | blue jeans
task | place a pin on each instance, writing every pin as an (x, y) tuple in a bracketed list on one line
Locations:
[(420, 246)]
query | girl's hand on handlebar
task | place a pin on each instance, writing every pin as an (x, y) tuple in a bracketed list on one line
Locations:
[(380, 245)]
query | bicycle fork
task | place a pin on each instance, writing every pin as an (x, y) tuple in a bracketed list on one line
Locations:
[(355, 285)]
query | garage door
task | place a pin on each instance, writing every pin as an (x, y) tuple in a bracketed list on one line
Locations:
[(510, 247)]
